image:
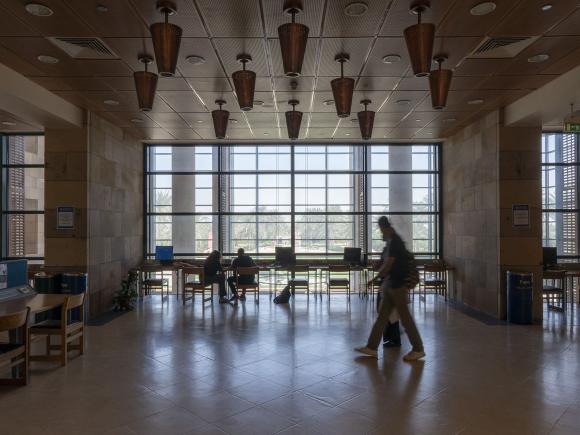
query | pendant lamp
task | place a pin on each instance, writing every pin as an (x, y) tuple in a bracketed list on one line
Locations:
[(245, 83), (366, 120), (220, 120), (440, 81), (166, 40), (145, 85), (293, 120), (293, 38), (419, 39), (342, 89)]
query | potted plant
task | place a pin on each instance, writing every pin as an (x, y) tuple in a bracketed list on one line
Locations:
[(124, 298)]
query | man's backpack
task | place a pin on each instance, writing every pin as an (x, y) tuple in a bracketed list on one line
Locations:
[(284, 296), (412, 278)]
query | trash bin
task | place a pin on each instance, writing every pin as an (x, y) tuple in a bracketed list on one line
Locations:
[(519, 297), (47, 283), (74, 284)]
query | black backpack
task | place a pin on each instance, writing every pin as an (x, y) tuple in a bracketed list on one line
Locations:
[(284, 296)]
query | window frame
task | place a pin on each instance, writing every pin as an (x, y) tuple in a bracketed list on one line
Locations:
[(5, 212), (360, 176)]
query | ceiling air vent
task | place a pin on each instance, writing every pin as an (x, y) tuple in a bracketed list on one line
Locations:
[(83, 48), (502, 48)]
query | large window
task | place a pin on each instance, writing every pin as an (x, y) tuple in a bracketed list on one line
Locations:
[(560, 193), (22, 196), (317, 198)]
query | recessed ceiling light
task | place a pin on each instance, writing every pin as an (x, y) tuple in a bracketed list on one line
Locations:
[(111, 102), (546, 7), (475, 102), (450, 120), (328, 102), (102, 8), (391, 58), (8, 123), (403, 102), (347, 134), (51, 60), (266, 134), (258, 103), (417, 120), (353, 120), (38, 10), (136, 120), (538, 58), (234, 121), (483, 9), (195, 60), (200, 121), (356, 9)]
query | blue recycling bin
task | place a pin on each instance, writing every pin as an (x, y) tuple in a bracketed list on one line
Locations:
[(520, 297)]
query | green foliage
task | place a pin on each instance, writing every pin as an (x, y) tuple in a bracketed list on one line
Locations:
[(124, 298)]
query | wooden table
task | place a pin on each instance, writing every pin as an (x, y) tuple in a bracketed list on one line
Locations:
[(37, 303)]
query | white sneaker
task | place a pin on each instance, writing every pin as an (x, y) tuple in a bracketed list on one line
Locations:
[(413, 356), (367, 351)]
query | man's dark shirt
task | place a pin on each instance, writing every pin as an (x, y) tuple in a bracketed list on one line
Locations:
[(211, 268), (244, 261), (399, 270)]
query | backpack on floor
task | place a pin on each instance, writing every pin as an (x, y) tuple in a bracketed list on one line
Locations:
[(283, 297)]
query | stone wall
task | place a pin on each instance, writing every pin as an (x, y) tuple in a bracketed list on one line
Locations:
[(115, 200), (487, 168), (470, 213), (99, 171)]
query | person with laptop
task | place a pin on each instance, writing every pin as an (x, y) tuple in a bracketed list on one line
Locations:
[(242, 260), (214, 274), (399, 273)]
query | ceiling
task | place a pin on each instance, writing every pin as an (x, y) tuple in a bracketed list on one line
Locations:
[(218, 30)]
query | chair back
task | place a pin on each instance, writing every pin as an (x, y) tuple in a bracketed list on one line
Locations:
[(198, 271), (74, 301), (247, 271), (12, 321), (338, 268), (304, 268)]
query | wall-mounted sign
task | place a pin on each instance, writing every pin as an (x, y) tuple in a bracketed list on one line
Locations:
[(65, 218), (571, 127), (521, 215)]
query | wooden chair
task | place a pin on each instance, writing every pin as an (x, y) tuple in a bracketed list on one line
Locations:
[(254, 286), (435, 279), (151, 284), (556, 290), (337, 279), (67, 328), (298, 282), (14, 356), (196, 284)]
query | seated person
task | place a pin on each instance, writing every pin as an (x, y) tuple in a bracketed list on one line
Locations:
[(242, 260), (214, 273)]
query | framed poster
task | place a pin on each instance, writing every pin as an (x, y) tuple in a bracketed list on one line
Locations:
[(521, 215), (65, 218)]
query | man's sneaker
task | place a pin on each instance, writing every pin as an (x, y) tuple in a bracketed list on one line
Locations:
[(413, 356), (367, 351), (224, 300)]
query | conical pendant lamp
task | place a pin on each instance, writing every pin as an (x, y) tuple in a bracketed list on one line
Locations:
[(293, 120), (145, 85), (419, 39), (220, 120), (166, 40), (440, 81), (366, 120), (293, 38), (245, 84), (342, 89)]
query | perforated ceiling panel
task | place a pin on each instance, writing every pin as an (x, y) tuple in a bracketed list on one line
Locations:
[(216, 31)]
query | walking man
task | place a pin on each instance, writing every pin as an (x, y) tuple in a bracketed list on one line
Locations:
[(396, 269)]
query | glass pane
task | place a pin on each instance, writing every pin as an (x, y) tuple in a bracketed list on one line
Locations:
[(25, 189), (25, 235), (25, 150), (560, 230)]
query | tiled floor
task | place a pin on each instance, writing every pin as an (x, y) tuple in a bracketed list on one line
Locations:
[(262, 369)]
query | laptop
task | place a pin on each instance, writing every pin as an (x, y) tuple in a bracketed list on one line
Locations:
[(164, 254), (285, 256), (550, 257), (352, 256)]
